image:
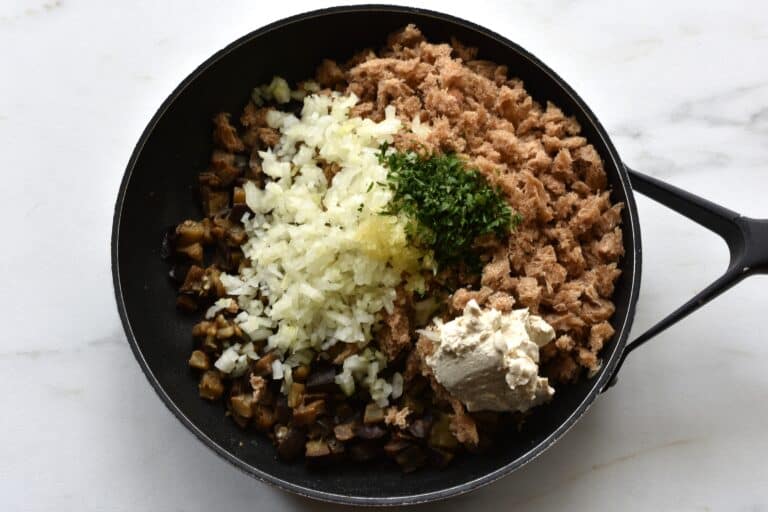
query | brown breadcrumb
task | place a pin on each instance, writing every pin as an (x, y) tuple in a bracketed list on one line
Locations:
[(463, 425), (397, 417), (396, 333), (462, 296), (259, 386), (535, 154), (501, 301)]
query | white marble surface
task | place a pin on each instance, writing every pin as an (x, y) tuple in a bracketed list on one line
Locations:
[(682, 87)]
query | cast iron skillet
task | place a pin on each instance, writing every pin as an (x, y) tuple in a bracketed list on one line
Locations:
[(157, 191)]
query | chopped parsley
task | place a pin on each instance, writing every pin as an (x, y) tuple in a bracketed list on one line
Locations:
[(447, 206)]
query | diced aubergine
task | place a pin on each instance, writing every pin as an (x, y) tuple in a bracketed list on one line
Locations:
[(317, 448), (322, 379), (373, 414), (344, 431), (370, 431), (211, 387), (364, 450), (264, 417), (291, 445), (199, 360), (295, 395), (307, 414), (190, 232), (411, 459), (242, 405)]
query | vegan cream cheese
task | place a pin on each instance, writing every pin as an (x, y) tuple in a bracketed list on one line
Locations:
[(489, 360)]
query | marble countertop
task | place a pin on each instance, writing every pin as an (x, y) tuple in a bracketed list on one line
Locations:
[(681, 86)]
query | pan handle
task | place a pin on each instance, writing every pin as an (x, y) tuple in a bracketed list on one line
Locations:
[(747, 241)]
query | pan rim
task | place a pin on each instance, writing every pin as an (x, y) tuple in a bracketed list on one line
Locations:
[(598, 384)]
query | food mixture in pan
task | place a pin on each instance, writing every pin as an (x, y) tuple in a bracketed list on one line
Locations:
[(399, 258)]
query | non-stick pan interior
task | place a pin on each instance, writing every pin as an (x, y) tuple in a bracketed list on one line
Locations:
[(160, 192)]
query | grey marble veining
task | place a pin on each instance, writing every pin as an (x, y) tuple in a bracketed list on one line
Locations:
[(681, 86)]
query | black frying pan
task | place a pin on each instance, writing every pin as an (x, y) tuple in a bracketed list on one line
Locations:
[(157, 191)]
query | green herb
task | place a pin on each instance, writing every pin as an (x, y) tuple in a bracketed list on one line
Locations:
[(447, 205)]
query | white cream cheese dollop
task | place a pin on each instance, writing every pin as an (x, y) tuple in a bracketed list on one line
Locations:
[(489, 360)]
